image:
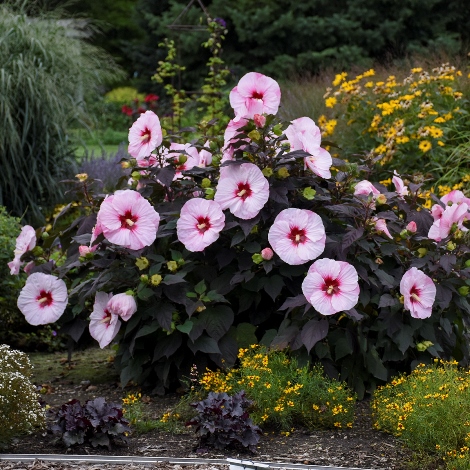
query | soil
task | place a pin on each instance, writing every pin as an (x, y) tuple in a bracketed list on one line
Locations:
[(359, 447)]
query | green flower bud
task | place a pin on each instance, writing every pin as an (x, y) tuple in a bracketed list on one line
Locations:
[(309, 193), (156, 279), (421, 347), (144, 279), (254, 135), (45, 235), (283, 172), (182, 159), (404, 234), (257, 258), (130, 292), (37, 251), (467, 263), (142, 263), (381, 199), (210, 192), (267, 172), (180, 262), (464, 290), (451, 246), (422, 252), (206, 183), (136, 175), (172, 266)]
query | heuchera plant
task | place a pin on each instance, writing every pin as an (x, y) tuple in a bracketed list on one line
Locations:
[(260, 236), (96, 422), (223, 421)]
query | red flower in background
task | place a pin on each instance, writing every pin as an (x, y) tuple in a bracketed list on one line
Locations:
[(127, 110), (151, 98)]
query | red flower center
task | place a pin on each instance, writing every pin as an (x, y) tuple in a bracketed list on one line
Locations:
[(331, 286), (145, 135), (44, 299), (107, 318), (203, 224), (128, 220), (243, 191), (297, 235), (257, 95), (414, 294)]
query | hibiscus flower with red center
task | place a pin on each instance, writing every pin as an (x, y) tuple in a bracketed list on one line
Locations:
[(331, 286), (242, 189), (419, 293), (43, 299), (255, 93), (145, 135), (104, 325), (200, 223), (297, 236), (128, 219)]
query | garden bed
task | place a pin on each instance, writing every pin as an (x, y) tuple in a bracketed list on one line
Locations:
[(90, 375)]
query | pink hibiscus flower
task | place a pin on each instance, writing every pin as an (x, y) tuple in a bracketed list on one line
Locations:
[(25, 241), (419, 293), (255, 94), (145, 135), (400, 187), (123, 305), (127, 219), (304, 134), (242, 189), (43, 299), (381, 226), (455, 197), (365, 188), (200, 223), (331, 286), (104, 325), (205, 157), (456, 214), (297, 236)]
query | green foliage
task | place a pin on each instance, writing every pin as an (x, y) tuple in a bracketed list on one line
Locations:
[(20, 411), (47, 73), (428, 410), (283, 393)]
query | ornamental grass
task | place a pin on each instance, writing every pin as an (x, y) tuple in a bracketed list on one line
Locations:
[(429, 411), (284, 393)]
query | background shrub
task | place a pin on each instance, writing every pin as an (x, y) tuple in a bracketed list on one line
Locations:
[(48, 72), (20, 411)]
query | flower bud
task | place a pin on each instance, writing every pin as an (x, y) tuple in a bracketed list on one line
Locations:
[(254, 135), (267, 172), (182, 159), (260, 120), (142, 263), (451, 246), (82, 177), (309, 193), (467, 263), (421, 347), (379, 261), (411, 227), (156, 279), (84, 250), (267, 253), (180, 262), (45, 235), (206, 183), (144, 279), (381, 199), (464, 290), (172, 266), (404, 234), (201, 308), (283, 172), (125, 165), (422, 252), (210, 192), (257, 258), (136, 175)]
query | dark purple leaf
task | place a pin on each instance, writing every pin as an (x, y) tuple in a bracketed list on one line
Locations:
[(312, 332)]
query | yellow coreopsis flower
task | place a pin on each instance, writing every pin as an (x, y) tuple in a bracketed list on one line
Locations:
[(330, 102), (425, 146)]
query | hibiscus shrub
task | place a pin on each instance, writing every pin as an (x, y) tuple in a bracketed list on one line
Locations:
[(205, 250)]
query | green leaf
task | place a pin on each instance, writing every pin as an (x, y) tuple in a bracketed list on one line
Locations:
[(145, 293), (200, 287), (193, 295), (375, 365), (245, 335), (186, 327), (147, 330), (204, 344)]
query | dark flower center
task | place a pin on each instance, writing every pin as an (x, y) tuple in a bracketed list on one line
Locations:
[(243, 190), (128, 220), (297, 235), (203, 224), (414, 294), (145, 135), (257, 95), (44, 299), (331, 286)]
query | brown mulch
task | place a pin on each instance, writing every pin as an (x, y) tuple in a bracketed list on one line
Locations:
[(360, 446)]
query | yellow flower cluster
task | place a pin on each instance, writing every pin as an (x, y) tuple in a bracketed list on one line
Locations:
[(433, 397)]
